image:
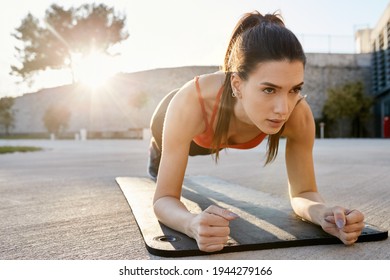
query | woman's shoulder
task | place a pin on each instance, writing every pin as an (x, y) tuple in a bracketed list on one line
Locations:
[(207, 83), (187, 106), (300, 123), (210, 84), (205, 86)]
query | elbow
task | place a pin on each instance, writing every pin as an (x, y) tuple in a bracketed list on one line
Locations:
[(294, 204), (156, 208), (160, 204), (158, 200)]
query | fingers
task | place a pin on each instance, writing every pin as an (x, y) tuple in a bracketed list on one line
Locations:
[(211, 244), (339, 217), (354, 226), (345, 224), (224, 213), (348, 216), (214, 231), (354, 216), (348, 238), (213, 228)]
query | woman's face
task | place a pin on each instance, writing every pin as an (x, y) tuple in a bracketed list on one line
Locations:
[(267, 98)]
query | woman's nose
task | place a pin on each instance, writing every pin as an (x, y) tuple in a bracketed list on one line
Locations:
[(281, 106)]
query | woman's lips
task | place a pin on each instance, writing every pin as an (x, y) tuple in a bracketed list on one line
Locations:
[(276, 122)]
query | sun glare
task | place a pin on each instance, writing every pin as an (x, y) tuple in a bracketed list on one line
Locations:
[(94, 69)]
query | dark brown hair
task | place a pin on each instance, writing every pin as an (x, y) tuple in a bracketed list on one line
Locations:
[(256, 38)]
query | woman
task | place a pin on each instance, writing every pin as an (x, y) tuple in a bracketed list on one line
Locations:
[(257, 94)]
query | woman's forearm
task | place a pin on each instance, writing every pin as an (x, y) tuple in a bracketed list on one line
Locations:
[(310, 206), (172, 212)]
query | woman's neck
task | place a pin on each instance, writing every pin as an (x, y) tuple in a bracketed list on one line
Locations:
[(240, 117), (241, 128)]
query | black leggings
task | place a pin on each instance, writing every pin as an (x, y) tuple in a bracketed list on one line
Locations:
[(157, 123)]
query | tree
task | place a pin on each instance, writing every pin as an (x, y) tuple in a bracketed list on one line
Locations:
[(348, 103), (6, 113), (56, 119), (63, 33)]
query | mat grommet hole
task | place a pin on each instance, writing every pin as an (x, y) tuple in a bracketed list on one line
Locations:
[(167, 238)]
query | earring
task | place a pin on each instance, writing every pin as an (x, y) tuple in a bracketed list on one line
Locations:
[(234, 94)]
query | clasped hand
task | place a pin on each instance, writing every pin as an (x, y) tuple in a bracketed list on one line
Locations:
[(211, 229), (343, 223)]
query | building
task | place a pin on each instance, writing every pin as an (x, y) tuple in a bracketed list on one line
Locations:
[(377, 42)]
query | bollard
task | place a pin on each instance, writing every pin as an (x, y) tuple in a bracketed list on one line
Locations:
[(322, 130), (83, 134)]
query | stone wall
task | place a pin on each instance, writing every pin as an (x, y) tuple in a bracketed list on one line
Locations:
[(128, 102), (125, 104), (324, 71)]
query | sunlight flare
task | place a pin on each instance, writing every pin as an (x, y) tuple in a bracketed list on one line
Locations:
[(94, 69)]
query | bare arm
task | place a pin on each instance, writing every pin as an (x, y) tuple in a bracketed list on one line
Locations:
[(184, 120), (177, 135), (305, 199)]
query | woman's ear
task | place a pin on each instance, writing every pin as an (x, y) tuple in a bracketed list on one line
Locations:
[(235, 83)]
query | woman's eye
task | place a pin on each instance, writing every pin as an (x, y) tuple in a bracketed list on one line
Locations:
[(268, 90), (297, 90)]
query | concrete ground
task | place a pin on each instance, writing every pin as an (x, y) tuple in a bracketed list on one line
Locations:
[(64, 203)]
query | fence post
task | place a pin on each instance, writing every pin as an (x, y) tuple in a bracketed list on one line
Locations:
[(322, 130)]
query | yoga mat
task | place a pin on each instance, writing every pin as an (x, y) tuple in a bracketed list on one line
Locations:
[(266, 221)]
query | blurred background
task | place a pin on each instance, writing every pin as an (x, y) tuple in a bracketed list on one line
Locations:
[(97, 69)]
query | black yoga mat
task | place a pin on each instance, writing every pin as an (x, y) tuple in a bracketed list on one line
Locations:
[(266, 221)]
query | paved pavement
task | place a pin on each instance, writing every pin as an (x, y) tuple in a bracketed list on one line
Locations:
[(63, 202)]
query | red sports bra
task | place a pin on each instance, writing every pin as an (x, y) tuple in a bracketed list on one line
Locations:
[(205, 139)]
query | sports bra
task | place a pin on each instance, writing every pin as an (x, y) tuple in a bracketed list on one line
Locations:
[(205, 139)]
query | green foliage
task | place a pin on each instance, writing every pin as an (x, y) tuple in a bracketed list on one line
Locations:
[(64, 32), (6, 113), (56, 119), (22, 149), (348, 103)]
